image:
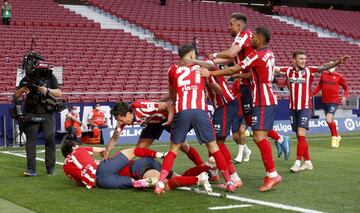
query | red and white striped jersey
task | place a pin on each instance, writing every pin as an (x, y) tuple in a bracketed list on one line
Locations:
[(243, 41), (146, 112), (299, 84), (262, 65), (189, 87), (81, 167), (216, 99)]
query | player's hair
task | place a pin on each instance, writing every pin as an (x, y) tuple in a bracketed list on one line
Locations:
[(120, 108), (264, 32), (239, 17), (298, 52), (67, 147), (185, 49)]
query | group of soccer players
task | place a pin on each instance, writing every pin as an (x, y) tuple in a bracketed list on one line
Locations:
[(250, 102)]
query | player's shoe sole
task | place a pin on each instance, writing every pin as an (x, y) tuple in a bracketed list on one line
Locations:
[(269, 183), (203, 180), (285, 145)]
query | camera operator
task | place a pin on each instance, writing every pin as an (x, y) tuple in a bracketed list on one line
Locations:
[(33, 106)]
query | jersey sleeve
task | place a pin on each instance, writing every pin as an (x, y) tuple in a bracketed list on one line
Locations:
[(344, 86), (170, 76), (240, 40), (313, 69), (249, 60), (283, 70), (318, 88)]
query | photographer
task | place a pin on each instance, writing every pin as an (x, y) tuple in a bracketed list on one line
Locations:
[(40, 87)]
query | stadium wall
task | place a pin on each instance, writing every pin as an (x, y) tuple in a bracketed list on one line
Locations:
[(131, 134)]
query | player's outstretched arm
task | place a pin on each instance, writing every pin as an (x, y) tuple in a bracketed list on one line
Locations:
[(207, 65), (229, 53), (333, 64), (112, 142), (224, 72)]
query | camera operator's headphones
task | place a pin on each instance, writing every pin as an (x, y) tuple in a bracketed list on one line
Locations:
[(32, 61)]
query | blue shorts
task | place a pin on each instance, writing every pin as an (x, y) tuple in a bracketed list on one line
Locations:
[(107, 173), (246, 100), (300, 119), (196, 119), (142, 165), (263, 118), (223, 118), (236, 122), (153, 131), (330, 108)]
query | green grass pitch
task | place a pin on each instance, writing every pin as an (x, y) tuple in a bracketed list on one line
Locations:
[(333, 185)]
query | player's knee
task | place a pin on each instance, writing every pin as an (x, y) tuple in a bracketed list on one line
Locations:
[(185, 147)]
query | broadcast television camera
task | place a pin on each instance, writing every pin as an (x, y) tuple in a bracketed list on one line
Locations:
[(35, 69)]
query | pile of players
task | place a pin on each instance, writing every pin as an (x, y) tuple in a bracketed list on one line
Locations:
[(251, 102)]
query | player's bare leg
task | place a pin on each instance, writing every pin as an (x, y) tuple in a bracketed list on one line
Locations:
[(166, 167), (145, 142), (230, 165), (240, 138), (335, 137), (302, 152), (272, 177), (221, 164)]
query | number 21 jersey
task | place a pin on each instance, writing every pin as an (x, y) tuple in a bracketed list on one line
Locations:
[(189, 87)]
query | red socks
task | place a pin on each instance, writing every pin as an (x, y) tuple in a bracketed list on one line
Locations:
[(228, 159), (194, 156), (194, 171), (182, 181), (144, 152), (332, 127), (167, 165), (273, 134), (221, 165), (302, 149), (266, 155)]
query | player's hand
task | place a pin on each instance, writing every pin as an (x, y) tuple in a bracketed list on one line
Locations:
[(204, 72), (43, 90), (343, 59), (212, 56), (343, 100)]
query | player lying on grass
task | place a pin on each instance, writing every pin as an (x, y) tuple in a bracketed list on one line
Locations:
[(300, 77), (121, 172), (157, 116)]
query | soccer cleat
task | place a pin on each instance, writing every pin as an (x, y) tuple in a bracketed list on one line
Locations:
[(269, 183), (159, 189), (214, 176), (334, 141), (30, 173), (247, 153), (306, 166), (230, 187), (239, 158), (279, 148), (285, 145), (203, 180), (338, 141), (295, 168)]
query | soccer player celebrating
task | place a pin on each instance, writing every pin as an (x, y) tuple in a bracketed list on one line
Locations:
[(329, 83), (187, 90), (262, 62), (156, 116), (238, 51), (300, 79)]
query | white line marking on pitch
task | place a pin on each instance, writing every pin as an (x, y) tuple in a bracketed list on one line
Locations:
[(215, 194), (229, 207)]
